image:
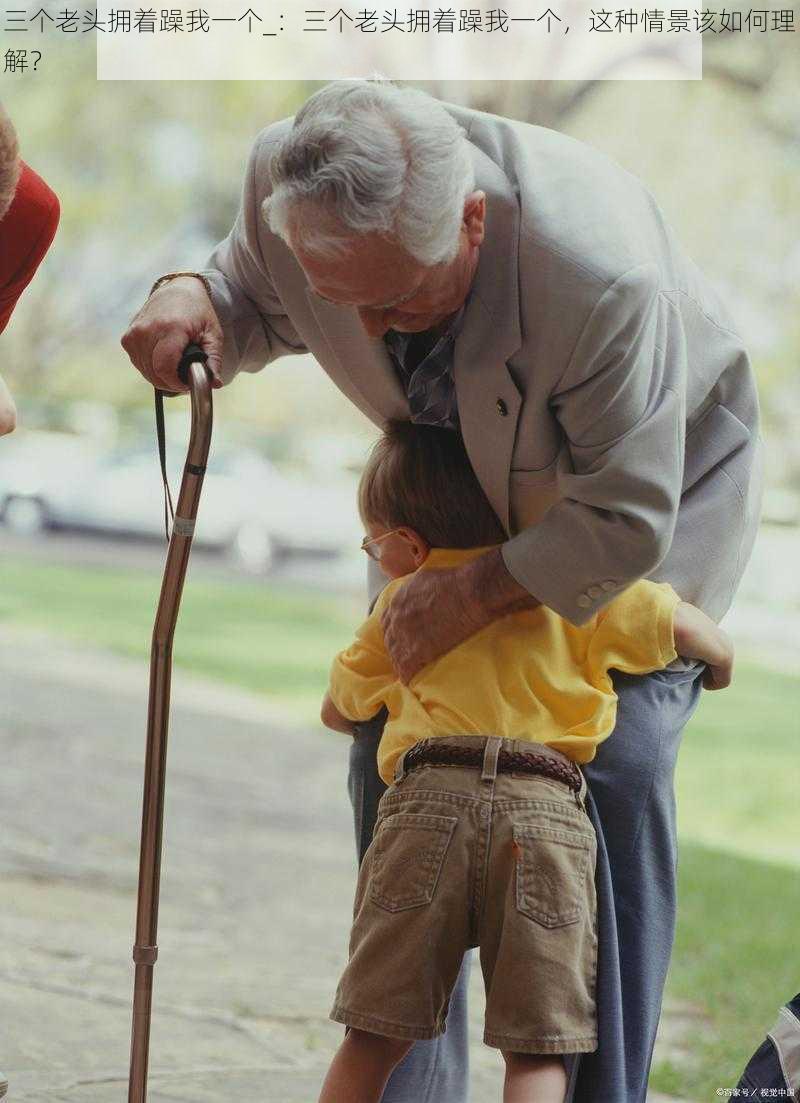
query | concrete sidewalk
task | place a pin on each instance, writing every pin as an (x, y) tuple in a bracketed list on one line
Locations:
[(257, 882)]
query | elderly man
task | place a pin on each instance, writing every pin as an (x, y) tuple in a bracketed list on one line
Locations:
[(520, 288)]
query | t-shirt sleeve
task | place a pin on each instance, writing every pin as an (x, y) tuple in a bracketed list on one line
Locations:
[(362, 675), (634, 632)]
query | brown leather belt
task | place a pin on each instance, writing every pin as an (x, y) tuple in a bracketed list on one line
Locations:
[(438, 752)]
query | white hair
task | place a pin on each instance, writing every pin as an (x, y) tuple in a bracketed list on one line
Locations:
[(9, 162), (378, 159)]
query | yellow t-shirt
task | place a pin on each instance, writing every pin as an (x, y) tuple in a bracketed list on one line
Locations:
[(530, 675)]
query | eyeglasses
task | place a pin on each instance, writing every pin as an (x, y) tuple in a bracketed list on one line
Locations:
[(367, 544)]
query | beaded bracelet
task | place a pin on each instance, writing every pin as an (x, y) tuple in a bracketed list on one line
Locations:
[(174, 275)]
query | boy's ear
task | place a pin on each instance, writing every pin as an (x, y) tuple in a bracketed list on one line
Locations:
[(418, 545)]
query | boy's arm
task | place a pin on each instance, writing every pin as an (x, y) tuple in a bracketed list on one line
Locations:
[(634, 633), (698, 637), (362, 675), (333, 719), (648, 626)]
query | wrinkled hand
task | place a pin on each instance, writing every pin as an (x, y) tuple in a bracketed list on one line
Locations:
[(437, 610), (179, 313), (426, 617)]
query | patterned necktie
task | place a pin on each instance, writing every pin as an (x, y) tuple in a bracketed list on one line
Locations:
[(427, 376)]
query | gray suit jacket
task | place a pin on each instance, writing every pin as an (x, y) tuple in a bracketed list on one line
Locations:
[(606, 400)]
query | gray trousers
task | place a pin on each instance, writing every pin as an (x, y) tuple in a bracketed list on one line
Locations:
[(632, 805)]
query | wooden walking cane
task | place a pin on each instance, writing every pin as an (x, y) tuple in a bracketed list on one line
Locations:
[(192, 370)]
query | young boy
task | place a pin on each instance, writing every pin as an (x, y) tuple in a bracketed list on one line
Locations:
[(482, 838)]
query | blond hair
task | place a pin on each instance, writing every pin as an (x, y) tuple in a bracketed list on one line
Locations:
[(419, 476)]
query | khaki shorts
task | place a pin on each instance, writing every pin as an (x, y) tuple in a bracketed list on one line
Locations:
[(465, 857)]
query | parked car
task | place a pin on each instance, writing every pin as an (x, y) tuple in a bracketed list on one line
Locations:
[(35, 466), (248, 508)]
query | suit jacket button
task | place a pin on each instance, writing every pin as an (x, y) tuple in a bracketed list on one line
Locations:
[(609, 585), (502, 409), (595, 591), (584, 601)]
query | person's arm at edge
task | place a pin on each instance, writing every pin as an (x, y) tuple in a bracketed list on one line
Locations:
[(8, 410), (31, 221)]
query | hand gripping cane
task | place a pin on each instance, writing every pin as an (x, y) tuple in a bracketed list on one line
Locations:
[(192, 370)]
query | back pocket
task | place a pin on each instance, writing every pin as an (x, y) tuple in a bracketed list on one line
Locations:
[(407, 858), (551, 873)]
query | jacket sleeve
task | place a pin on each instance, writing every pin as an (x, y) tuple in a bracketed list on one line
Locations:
[(256, 327), (634, 633), (362, 676), (625, 433)]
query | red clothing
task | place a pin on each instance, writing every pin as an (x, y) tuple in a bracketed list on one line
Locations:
[(26, 232)]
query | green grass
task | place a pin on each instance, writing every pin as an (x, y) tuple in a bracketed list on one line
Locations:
[(739, 768), (262, 637), (735, 957)]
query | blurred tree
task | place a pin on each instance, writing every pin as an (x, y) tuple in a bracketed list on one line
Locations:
[(150, 175)]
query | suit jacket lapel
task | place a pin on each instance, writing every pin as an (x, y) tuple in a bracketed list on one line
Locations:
[(488, 399), (364, 370)]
